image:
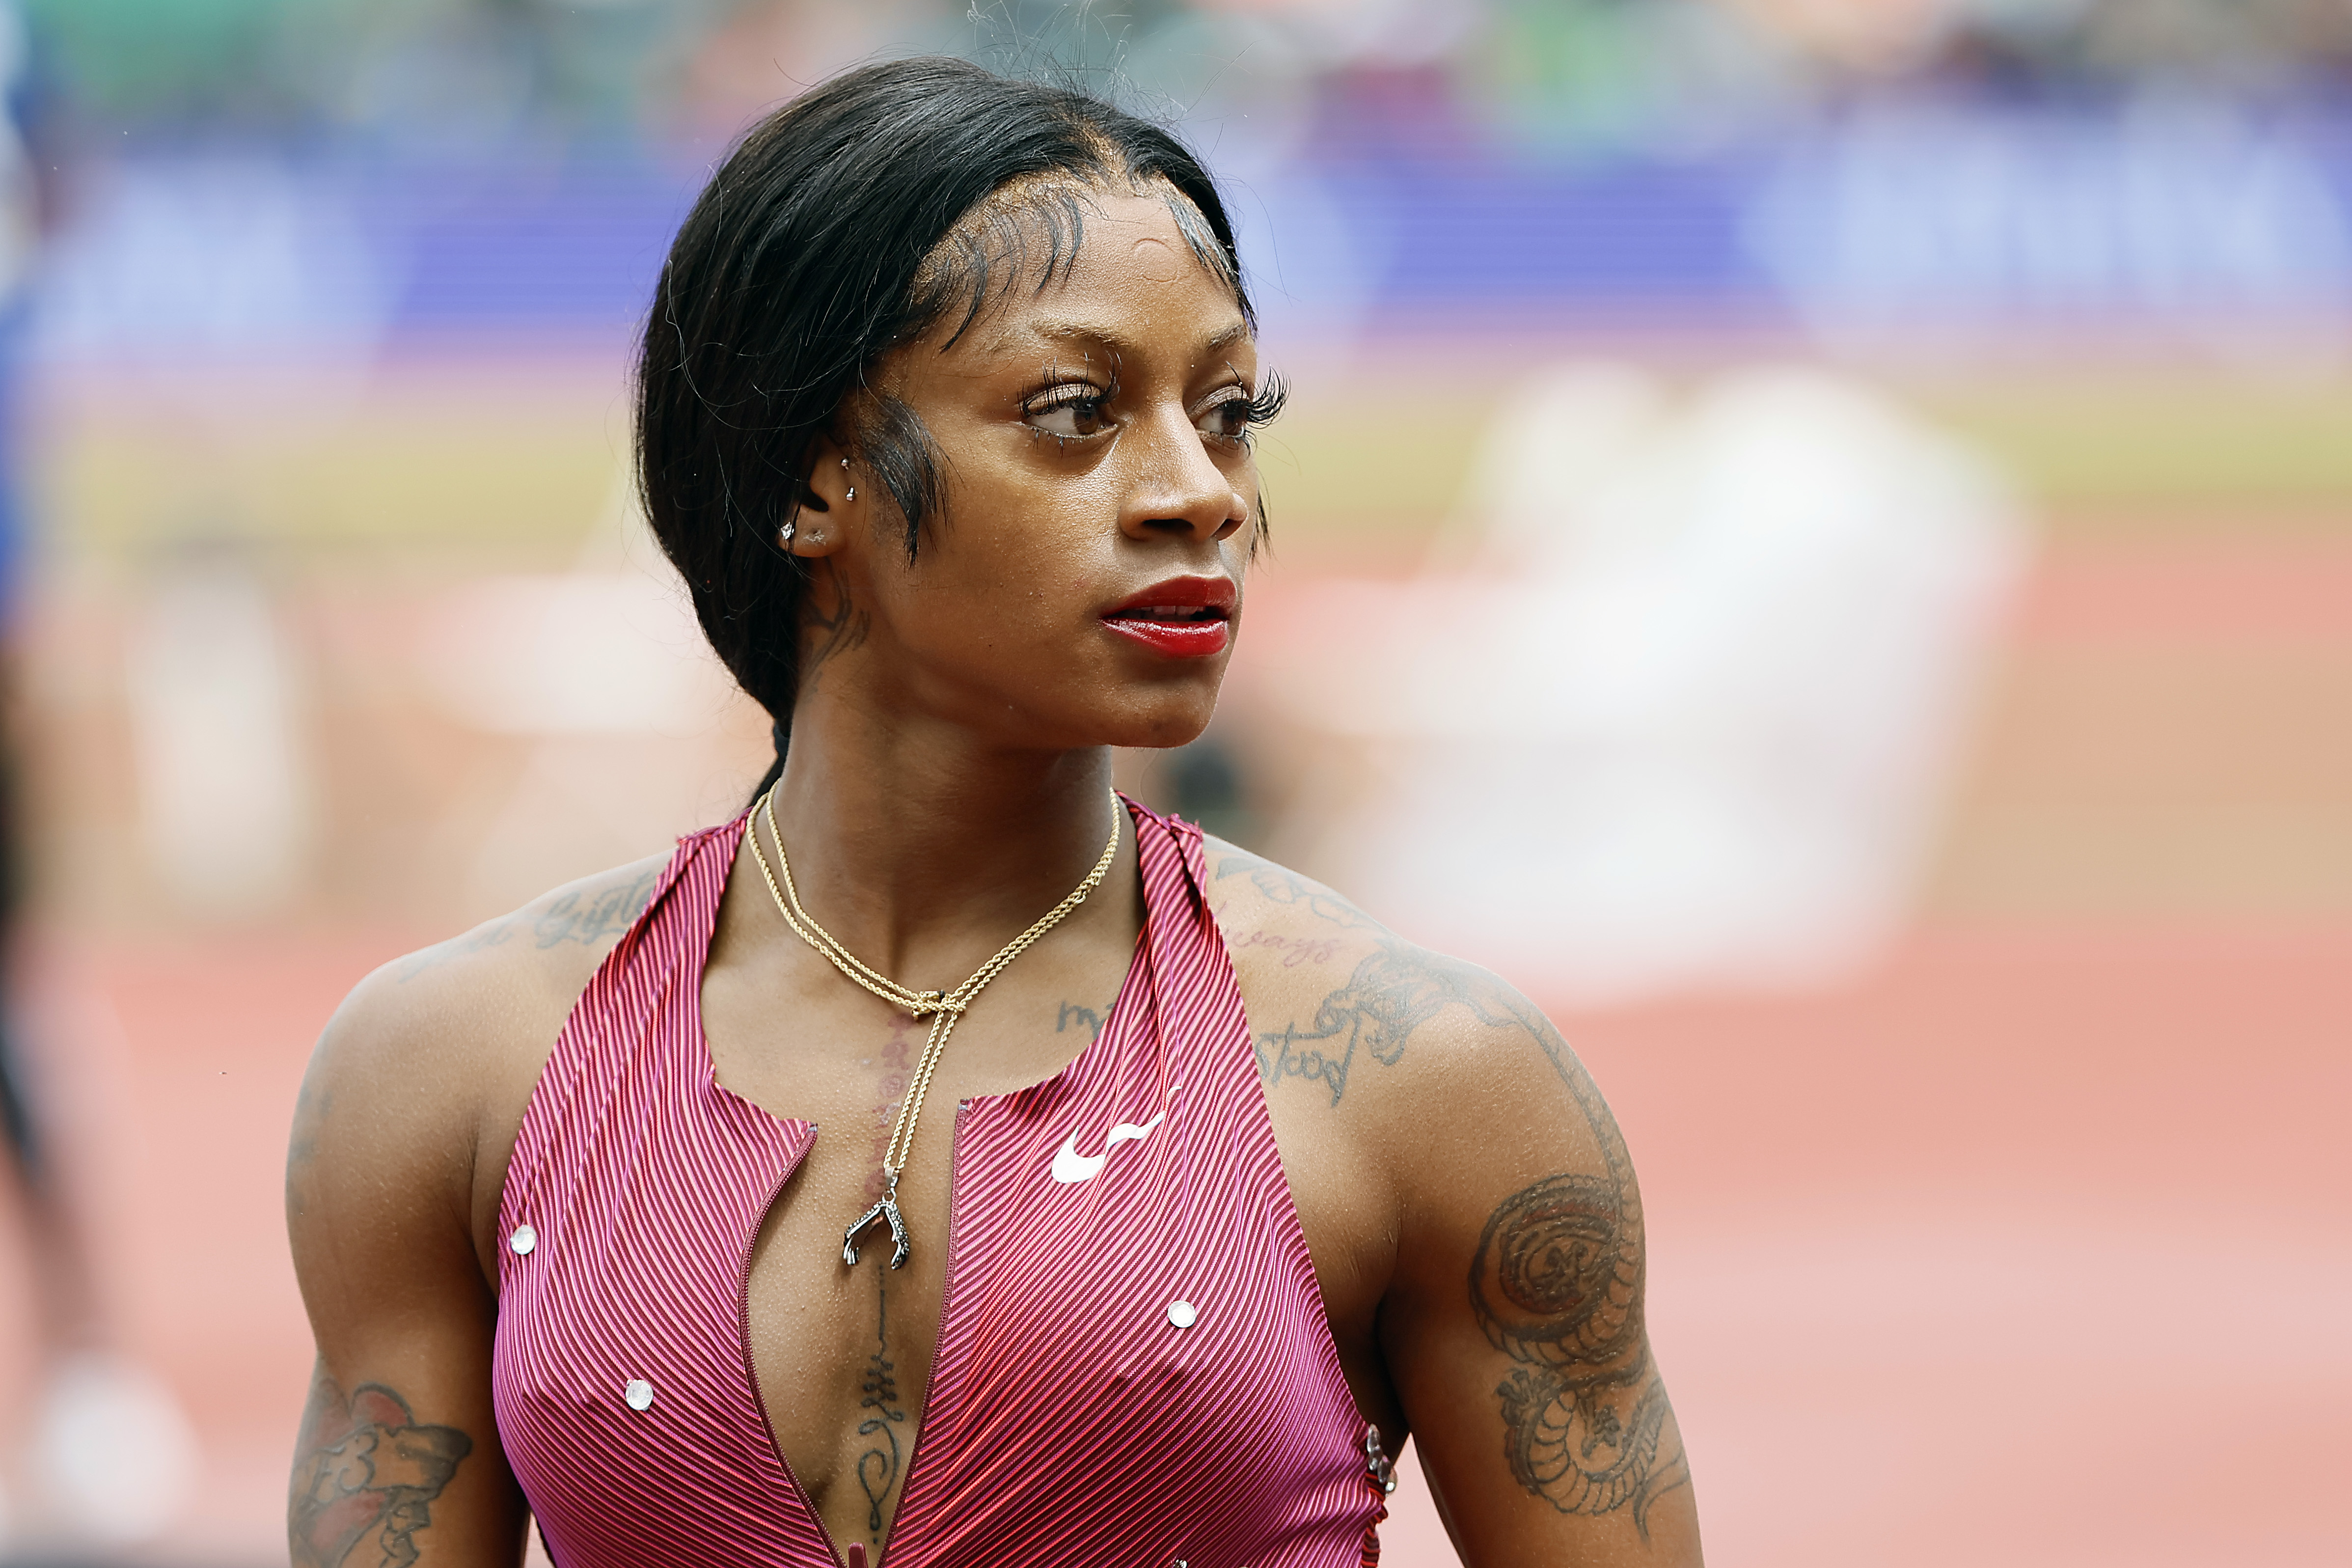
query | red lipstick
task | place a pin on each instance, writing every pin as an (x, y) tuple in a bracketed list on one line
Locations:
[(1184, 618)]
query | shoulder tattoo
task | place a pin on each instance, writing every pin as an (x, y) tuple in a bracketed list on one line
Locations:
[(1277, 886), (586, 917)]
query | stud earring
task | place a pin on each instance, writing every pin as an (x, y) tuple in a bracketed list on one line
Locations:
[(852, 495), (784, 534)]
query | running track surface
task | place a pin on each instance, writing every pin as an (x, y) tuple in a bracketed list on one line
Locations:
[(2033, 1248)]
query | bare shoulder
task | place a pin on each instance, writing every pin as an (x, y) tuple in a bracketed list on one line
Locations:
[(1341, 1002), (417, 1067), (462, 992)]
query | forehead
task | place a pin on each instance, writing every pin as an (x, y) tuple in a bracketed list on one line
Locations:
[(1128, 278)]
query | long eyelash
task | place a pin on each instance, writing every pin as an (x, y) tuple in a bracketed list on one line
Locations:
[(1070, 394), (1267, 406), (1055, 389)]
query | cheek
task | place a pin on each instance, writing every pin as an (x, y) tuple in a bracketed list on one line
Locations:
[(1026, 577)]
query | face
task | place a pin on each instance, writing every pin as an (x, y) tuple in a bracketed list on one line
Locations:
[(1083, 586)]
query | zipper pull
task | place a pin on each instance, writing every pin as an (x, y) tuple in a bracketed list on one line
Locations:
[(1376, 1463), (857, 1554)]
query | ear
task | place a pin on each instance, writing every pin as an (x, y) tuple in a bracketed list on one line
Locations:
[(835, 498)]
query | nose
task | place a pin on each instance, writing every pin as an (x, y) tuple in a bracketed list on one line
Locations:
[(1179, 488)]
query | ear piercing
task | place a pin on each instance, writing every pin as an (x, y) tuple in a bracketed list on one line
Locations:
[(853, 489), (784, 534)]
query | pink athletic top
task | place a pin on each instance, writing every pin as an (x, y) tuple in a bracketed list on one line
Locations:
[(1069, 1420)]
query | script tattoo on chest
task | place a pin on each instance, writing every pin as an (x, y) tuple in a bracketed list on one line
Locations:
[(1071, 1016)]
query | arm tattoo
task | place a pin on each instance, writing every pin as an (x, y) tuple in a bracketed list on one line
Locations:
[(878, 1467), (481, 939), (1557, 1285), (312, 1106), (365, 1476)]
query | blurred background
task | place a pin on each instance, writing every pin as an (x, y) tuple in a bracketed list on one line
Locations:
[(1814, 535)]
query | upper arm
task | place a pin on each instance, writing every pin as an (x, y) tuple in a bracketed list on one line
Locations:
[(1510, 1327), (1514, 1329), (392, 1181), (398, 1459)]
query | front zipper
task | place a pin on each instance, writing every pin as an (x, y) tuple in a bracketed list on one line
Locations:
[(752, 1372), (947, 1299), (931, 1383)]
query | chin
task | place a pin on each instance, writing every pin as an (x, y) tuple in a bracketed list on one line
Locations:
[(1158, 719)]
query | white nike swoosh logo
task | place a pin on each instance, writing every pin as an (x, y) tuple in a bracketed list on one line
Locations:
[(1070, 1165)]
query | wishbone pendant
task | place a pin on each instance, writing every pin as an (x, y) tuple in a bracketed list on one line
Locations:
[(888, 1212)]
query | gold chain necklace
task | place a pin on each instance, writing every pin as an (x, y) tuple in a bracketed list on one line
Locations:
[(944, 1007)]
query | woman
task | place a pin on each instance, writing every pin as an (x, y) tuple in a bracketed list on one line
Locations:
[(1221, 1190)]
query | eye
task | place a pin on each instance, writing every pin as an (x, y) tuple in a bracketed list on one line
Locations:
[(1071, 411), (1227, 418), (1232, 412)]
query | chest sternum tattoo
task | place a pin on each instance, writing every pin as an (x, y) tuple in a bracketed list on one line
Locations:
[(882, 1415)]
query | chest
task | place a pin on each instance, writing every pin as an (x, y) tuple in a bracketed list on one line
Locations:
[(1078, 1317)]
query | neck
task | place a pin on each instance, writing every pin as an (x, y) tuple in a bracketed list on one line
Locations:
[(921, 850)]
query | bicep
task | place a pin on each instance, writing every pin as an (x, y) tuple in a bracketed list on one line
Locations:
[(1517, 1336), (397, 1460)]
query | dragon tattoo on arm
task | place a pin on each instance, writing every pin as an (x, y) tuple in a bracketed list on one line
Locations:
[(1557, 1285)]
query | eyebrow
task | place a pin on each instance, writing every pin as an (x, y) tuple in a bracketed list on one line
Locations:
[(1089, 332)]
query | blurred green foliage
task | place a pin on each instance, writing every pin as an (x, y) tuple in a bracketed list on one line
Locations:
[(432, 67), (166, 59)]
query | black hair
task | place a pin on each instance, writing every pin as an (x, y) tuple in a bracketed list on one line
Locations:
[(845, 224)]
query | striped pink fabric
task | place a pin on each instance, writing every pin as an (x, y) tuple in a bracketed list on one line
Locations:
[(1068, 1421)]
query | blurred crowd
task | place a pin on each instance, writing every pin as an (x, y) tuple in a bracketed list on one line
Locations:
[(1568, 73)]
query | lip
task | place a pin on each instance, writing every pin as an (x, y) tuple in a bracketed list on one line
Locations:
[(1202, 630)]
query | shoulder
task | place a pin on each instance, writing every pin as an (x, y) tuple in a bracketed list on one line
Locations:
[(1341, 1002), (427, 1052), (504, 970)]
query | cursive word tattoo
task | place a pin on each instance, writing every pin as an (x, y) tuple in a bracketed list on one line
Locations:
[(1091, 1019), (365, 1475), (588, 918), (1293, 950), (879, 1466), (1279, 886), (1393, 990)]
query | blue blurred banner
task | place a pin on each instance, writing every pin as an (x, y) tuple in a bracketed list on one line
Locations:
[(1898, 222)]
